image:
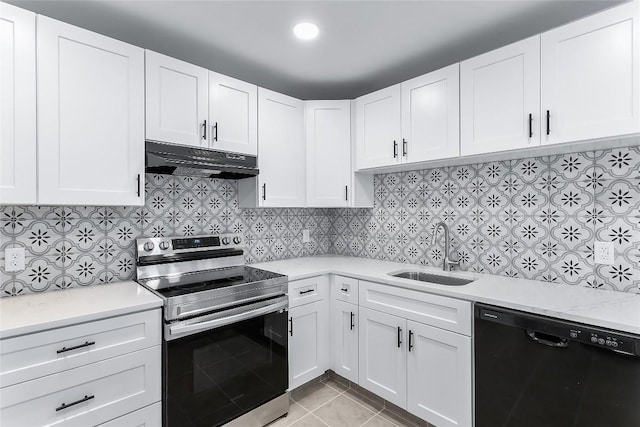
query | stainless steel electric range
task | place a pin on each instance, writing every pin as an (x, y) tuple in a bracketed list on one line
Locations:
[(225, 348)]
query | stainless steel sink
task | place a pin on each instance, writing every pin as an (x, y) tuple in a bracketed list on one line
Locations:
[(421, 276)]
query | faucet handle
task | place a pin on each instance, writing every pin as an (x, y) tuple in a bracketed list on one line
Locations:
[(450, 264)]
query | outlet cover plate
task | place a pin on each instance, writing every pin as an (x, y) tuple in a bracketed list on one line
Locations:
[(13, 259), (305, 236), (603, 253)]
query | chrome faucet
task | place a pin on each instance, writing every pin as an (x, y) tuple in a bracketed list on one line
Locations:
[(447, 264)]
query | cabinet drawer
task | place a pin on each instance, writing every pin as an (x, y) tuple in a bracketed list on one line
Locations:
[(308, 290), (88, 395), (35, 355), (150, 416), (442, 312), (344, 289)]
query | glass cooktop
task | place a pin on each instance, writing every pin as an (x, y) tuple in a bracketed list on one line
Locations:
[(213, 279)]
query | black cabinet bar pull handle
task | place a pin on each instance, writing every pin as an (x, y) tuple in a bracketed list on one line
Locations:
[(291, 323), (67, 405), (204, 132), (264, 191), (548, 122), (346, 192), (344, 290), (530, 125), (215, 131), (410, 339), (75, 347), (399, 336), (352, 317), (395, 149), (404, 147), (306, 292), (138, 178)]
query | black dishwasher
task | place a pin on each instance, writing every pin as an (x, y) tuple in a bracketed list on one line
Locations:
[(536, 371)]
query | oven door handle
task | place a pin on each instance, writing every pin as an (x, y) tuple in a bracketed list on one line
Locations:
[(180, 330)]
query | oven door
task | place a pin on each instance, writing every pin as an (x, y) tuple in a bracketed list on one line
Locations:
[(220, 366)]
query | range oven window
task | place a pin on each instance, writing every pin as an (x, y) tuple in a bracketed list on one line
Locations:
[(217, 375)]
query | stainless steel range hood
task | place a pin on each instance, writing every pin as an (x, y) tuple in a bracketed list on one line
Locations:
[(168, 159)]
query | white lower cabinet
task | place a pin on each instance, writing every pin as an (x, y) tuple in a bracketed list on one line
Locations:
[(383, 360), (308, 342), (411, 348), (88, 395), (84, 374), (344, 339), (149, 416), (439, 375)]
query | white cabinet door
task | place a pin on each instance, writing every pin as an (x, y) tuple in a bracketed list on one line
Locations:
[(17, 105), (282, 154), (328, 136), (431, 116), (233, 114), (382, 357), (379, 128), (344, 339), (591, 77), (439, 376), (500, 99), (177, 100), (90, 117), (308, 342)]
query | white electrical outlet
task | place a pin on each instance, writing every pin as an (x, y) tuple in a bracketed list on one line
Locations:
[(603, 253), (13, 259), (305, 236)]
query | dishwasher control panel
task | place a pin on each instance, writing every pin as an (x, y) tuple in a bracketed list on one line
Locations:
[(602, 338), (559, 331)]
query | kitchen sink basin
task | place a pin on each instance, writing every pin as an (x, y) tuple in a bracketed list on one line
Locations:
[(421, 276)]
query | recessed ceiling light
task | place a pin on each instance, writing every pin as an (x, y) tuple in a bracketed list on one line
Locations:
[(306, 31)]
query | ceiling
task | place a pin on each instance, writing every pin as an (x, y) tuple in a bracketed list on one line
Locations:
[(363, 45)]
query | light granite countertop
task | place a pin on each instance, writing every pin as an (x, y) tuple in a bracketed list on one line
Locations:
[(609, 309), (38, 312), (616, 310)]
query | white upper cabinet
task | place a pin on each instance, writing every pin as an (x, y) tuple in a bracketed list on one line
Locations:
[(233, 115), (430, 116), (591, 77), (379, 128), (500, 99), (177, 99), (328, 139), (17, 105), (90, 117), (282, 154)]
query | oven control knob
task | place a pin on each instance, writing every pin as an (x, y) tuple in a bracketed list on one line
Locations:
[(594, 339), (614, 344), (573, 334), (236, 240), (225, 240), (148, 247), (164, 245), (601, 341)]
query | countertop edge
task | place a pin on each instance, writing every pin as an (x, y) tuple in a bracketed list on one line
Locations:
[(33, 313), (573, 315)]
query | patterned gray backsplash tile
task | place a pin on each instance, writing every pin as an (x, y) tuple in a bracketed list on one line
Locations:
[(80, 246), (534, 218)]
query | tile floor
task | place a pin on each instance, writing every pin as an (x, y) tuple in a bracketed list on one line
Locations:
[(331, 403)]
